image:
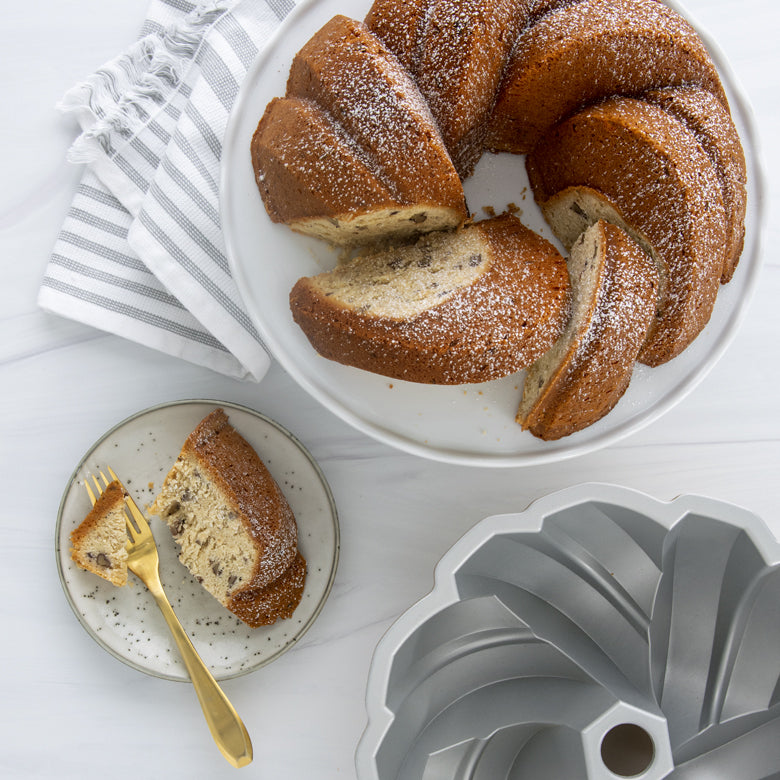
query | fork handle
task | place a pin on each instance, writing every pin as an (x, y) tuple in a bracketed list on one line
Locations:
[(225, 725)]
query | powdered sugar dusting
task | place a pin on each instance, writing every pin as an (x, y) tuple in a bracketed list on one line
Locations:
[(587, 371), (714, 129), (510, 311), (660, 180), (591, 50), (365, 91)]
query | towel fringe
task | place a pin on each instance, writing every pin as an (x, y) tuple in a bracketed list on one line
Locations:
[(117, 101)]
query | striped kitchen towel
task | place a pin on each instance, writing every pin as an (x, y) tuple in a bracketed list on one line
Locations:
[(140, 252)]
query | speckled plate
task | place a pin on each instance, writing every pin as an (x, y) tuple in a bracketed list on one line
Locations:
[(126, 621), (466, 424)]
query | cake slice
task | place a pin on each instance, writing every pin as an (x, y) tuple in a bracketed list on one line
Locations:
[(236, 532), (314, 179), (711, 124), (590, 50), (372, 136), (99, 544), (633, 160), (452, 308), (589, 368)]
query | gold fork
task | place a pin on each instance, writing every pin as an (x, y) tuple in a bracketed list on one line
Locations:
[(226, 726)]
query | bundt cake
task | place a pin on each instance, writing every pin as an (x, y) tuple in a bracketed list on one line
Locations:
[(712, 125), (589, 50), (465, 306), (351, 109), (455, 51), (99, 543), (623, 118), (584, 375), (236, 532), (651, 170)]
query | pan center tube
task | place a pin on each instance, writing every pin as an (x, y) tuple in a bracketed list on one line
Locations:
[(627, 750)]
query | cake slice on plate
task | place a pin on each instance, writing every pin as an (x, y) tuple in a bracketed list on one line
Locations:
[(235, 529), (99, 542)]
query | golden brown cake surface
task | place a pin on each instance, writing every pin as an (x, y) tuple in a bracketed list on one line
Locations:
[(455, 50), (589, 50), (453, 308), (661, 182), (589, 368), (99, 542), (359, 112), (292, 146), (236, 532), (704, 115)]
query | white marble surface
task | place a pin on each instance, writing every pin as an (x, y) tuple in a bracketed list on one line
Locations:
[(68, 708)]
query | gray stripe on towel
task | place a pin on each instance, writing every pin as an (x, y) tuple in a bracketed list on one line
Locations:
[(101, 250), (198, 275), (244, 47), (217, 75), (135, 313), (80, 215), (194, 193), (90, 272)]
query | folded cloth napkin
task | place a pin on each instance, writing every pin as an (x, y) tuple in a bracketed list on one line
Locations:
[(141, 253)]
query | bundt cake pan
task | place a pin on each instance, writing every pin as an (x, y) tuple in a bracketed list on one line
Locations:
[(599, 634)]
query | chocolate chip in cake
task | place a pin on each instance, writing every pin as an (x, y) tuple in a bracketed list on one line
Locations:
[(177, 527)]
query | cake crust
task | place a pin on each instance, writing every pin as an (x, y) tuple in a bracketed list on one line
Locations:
[(711, 124), (455, 51), (590, 50)]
